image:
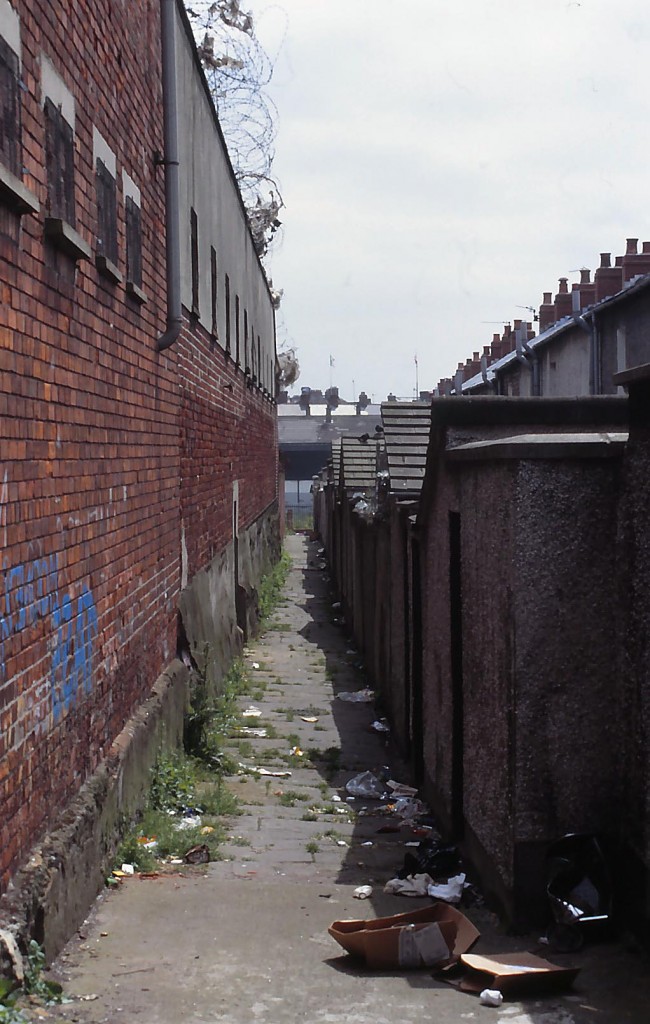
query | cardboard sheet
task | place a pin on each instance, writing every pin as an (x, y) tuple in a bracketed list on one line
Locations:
[(517, 973), (422, 938)]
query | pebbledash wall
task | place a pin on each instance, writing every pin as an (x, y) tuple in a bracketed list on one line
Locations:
[(136, 487)]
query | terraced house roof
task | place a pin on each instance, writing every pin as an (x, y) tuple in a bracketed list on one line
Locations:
[(359, 463), (406, 430)]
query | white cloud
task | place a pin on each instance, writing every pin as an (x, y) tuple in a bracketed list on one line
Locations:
[(443, 165)]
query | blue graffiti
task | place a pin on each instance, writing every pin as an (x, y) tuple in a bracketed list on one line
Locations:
[(76, 625), (28, 595), (31, 592)]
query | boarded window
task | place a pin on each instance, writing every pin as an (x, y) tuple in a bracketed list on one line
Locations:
[(133, 243), (9, 109), (194, 243), (237, 359), (59, 159), (247, 362), (214, 290), (106, 212), (227, 283)]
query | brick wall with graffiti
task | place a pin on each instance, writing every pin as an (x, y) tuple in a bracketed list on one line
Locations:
[(90, 412)]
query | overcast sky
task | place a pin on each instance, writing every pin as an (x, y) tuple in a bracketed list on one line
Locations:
[(442, 165)]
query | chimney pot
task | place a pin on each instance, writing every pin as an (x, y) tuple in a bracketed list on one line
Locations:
[(646, 247), (496, 338), (563, 289), (548, 298), (618, 262), (585, 276), (632, 245), (605, 259)]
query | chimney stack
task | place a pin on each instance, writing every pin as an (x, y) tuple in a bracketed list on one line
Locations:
[(608, 279), (635, 262), (563, 300), (546, 312)]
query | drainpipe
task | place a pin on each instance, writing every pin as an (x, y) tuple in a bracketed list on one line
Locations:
[(170, 160), (595, 383)]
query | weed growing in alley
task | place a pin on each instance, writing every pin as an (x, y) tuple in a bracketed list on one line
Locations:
[(271, 587), (312, 848), (35, 987), (290, 797)]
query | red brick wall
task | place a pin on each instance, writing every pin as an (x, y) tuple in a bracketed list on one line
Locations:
[(89, 458), (228, 434)]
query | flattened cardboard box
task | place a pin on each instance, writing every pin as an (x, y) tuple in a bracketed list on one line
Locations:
[(516, 973), (420, 938)]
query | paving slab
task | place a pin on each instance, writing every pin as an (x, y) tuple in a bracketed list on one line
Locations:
[(244, 940)]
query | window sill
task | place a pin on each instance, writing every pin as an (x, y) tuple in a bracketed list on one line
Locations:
[(15, 195), (107, 268), (135, 292), (65, 238)]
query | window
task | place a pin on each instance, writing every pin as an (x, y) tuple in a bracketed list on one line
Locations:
[(133, 244), (194, 246), (213, 290), (106, 188), (247, 365), (13, 194), (133, 232), (237, 359), (59, 160), (10, 153), (227, 284)]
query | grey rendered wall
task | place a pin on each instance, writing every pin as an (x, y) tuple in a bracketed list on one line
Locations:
[(208, 187)]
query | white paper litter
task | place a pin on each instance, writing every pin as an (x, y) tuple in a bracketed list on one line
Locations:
[(362, 892), (251, 712), (449, 891), (491, 997)]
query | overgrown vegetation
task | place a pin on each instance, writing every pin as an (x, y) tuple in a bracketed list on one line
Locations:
[(189, 799), (38, 989), (271, 587)]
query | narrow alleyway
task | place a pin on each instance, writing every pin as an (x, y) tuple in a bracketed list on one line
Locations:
[(244, 941)]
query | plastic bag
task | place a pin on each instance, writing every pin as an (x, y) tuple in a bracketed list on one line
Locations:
[(367, 786)]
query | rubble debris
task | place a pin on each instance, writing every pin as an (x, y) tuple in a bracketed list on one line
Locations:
[(9, 951), (198, 854), (251, 712), (579, 889), (309, 718), (400, 788), (273, 774), (434, 858), (413, 885)]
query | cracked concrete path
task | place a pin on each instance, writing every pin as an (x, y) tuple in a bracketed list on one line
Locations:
[(244, 941)]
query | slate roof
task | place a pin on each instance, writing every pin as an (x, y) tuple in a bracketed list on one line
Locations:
[(407, 426), (359, 463)]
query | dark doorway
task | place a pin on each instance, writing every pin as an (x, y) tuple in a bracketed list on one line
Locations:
[(456, 612), (417, 710)]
